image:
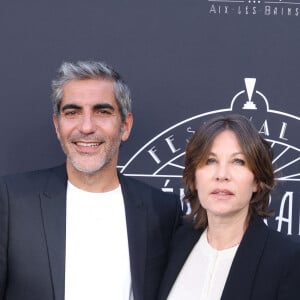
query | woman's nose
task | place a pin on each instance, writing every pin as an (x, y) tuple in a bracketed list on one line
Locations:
[(222, 173)]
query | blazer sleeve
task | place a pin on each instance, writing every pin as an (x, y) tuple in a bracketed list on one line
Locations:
[(3, 237), (289, 288)]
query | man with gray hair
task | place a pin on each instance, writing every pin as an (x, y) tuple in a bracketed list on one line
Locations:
[(82, 230)]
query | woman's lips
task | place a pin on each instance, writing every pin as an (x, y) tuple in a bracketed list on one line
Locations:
[(222, 193)]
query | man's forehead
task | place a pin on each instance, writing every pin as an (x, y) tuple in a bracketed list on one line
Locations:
[(89, 91), (89, 84)]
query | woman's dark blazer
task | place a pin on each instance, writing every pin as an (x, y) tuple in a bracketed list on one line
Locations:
[(266, 265)]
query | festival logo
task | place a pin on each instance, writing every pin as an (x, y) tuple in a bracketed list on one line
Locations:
[(160, 161), (255, 7)]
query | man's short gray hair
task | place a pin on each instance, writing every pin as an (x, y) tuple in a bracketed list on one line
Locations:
[(91, 70)]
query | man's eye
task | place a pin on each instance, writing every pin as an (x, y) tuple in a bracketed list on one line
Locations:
[(70, 113), (104, 112)]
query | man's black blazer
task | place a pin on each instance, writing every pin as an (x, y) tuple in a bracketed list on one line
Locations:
[(33, 229), (266, 265)]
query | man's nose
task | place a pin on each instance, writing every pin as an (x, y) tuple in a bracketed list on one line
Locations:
[(87, 124)]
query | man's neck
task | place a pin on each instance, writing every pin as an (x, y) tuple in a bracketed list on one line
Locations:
[(98, 182)]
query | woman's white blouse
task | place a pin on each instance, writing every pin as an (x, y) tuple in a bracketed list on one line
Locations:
[(204, 273)]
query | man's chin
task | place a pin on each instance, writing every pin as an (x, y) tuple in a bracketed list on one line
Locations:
[(88, 171), (85, 169)]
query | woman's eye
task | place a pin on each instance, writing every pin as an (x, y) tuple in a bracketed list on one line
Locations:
[(239, 161), (210, 161)]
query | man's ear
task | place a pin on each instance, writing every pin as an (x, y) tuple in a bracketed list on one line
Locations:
[(126, 127), (55, 123)]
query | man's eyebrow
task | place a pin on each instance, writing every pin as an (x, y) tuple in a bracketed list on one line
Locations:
[(70, 106), (96, 106), (103, 105)]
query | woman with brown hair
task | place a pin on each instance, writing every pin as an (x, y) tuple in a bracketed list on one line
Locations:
[(224, 250)]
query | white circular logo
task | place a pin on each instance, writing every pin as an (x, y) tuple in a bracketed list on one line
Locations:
[(160, 161)]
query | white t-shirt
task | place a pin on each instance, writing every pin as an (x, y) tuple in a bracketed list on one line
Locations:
[(97, 255), (204, 273)]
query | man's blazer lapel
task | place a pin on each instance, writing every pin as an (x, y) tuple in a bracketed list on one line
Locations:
[(53, 205), (241, 276), (136, 220)]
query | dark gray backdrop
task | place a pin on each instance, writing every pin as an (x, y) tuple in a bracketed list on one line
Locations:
[(180, 59)]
